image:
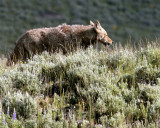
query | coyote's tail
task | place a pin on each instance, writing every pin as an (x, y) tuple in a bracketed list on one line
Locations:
[(16, 55)]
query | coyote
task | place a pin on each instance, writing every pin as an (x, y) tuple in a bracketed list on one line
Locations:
[(63, 37)]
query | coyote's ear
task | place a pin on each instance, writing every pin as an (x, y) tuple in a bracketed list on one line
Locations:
[(91, 23), (97, 25)]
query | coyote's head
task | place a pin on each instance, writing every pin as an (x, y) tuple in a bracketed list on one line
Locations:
[(102, 35)]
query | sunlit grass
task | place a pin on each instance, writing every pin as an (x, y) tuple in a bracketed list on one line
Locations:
[(118, 87)]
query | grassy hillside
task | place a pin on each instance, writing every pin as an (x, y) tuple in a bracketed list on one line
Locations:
[(107, 88), (121, 18)]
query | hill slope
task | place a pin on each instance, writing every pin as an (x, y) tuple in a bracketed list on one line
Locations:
[(113, 88)]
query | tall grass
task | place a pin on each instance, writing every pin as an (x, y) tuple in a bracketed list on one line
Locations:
[(118, 87)]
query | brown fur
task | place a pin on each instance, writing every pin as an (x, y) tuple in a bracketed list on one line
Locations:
[(62, 37)]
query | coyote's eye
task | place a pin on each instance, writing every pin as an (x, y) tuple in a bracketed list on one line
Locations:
[(102, 37)]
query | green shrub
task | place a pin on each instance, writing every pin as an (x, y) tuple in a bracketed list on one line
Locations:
[(86, 88), (24, 105)]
